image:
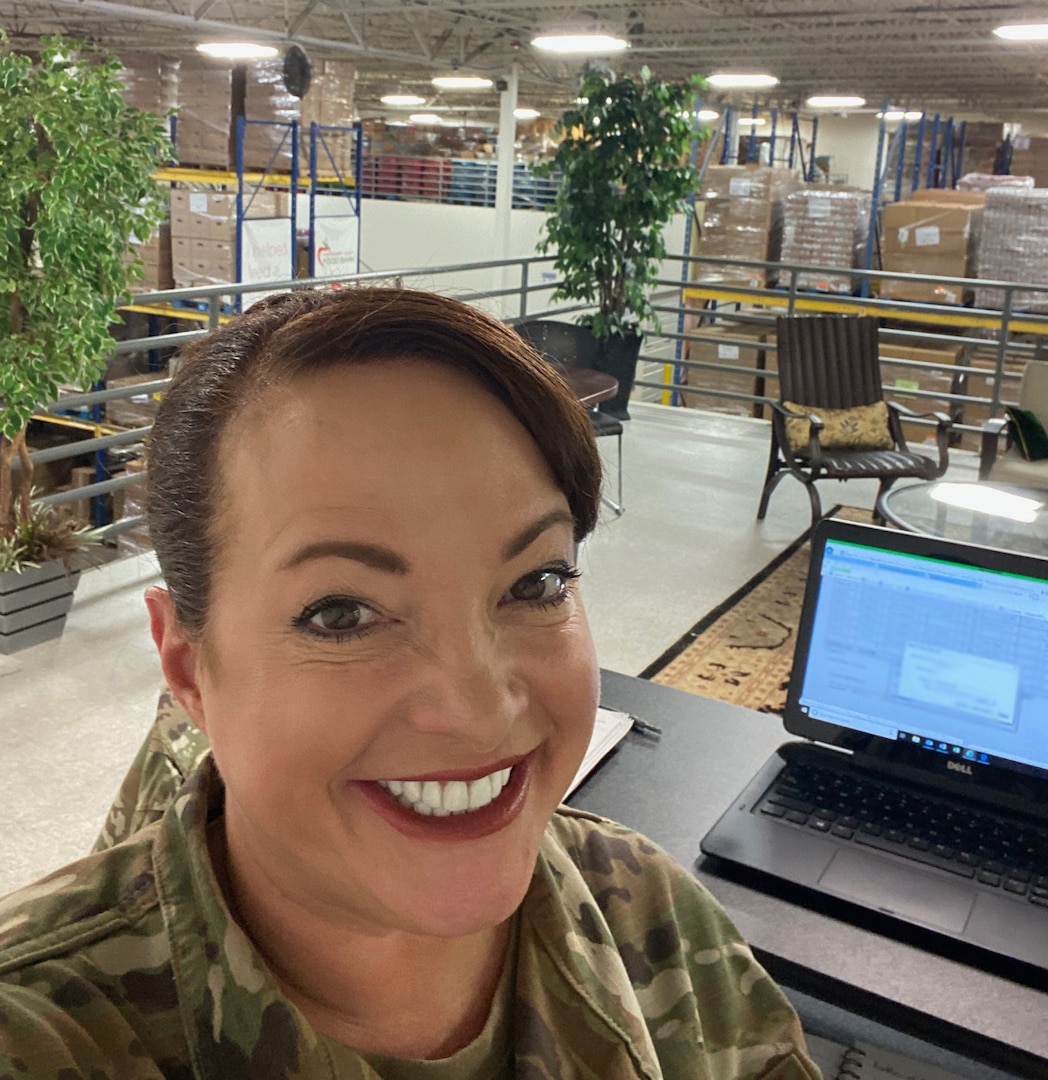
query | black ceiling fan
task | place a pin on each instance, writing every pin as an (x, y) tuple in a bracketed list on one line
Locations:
[(298, 71)]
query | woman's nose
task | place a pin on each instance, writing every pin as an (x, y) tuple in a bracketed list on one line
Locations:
[(472, 689)]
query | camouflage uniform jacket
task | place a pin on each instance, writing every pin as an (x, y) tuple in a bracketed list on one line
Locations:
[(127, 965)]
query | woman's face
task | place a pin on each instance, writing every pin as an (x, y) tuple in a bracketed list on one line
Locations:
[(399, 680)]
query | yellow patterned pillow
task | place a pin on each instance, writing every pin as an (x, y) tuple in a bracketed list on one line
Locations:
[(863, 427)]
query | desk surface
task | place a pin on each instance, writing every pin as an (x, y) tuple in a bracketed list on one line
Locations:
[(590, 385), (674, 789)]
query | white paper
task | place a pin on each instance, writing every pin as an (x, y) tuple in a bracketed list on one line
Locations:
[(740, 185), (727, 352), (198, 202), (609, 729), (904, 235), (926, 235), (819, 208)]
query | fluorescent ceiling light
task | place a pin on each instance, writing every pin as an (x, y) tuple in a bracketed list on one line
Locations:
[(741, 81), (900, 114), (836, 101), (425, 118), (237, 50), (752, 121), (1023, 32), (402, 99), (708, 114), (526, 114), (580, 44), (461, 82), (987, 500)]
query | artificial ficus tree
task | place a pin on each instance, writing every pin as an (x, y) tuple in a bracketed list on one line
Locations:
[(77, 186), (624, 172)]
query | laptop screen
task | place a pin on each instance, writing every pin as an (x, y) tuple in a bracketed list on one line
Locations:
[(939, 645)]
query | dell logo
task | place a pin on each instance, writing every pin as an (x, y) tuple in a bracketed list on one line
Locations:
[(959, 766)]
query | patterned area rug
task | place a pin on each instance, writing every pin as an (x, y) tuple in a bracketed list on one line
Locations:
[(742, 651)]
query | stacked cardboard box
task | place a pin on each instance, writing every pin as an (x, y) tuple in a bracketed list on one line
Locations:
[(931, 239), (739, 347), (743, 220), (150, 82), (1014, 246), (205, 113), (901, 382), (203, 232), (155, 254), (1030, 158), (267, 103), (981, 385), (825, 225), (329, 103)]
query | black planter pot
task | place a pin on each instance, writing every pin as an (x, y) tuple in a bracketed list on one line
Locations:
[(617, 356)]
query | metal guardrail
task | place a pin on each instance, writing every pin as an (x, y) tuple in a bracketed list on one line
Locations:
[(1003, 339)]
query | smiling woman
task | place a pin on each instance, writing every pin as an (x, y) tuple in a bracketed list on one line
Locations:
[(373, 622)]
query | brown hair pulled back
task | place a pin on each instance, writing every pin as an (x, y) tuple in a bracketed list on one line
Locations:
[(296, 334)]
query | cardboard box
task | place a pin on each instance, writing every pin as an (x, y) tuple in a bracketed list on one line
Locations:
[(982, 386), (900, 383), (930, 239), (136, 411), (736, 347), (949, 197), (155, 254), (742, 218)]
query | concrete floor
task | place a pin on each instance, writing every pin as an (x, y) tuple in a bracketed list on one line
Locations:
[(73, 712)]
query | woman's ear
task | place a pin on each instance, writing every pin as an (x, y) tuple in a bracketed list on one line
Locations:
[(180, 658)]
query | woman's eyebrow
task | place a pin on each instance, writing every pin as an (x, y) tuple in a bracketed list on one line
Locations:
[(373, 555), (530, 533)]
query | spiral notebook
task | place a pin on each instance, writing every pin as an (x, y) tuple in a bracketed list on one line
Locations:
[(864, 1061)]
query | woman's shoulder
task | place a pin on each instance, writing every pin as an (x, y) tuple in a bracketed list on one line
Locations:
[(90, 901), (600, 847), (634, 882)]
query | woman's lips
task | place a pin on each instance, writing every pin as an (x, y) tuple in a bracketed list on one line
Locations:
[(468, 825)]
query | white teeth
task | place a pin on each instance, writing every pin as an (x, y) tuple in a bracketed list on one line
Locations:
[(479, 793), (456, 797), (432, 797)]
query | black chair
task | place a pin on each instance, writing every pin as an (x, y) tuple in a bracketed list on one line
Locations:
[(832, 362), (569, 345)]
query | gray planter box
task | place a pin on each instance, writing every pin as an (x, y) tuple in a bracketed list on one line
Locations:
[(34, 605)]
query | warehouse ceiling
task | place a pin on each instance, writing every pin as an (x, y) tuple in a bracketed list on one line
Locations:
[(938, 54)]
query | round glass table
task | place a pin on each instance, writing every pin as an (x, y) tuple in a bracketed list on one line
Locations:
[(996, 515)]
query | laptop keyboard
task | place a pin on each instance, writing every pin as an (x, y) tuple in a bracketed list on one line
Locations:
[(998, 853)]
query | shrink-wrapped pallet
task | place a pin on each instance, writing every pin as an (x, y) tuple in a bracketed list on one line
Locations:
[(1014, 246), (985, 181), (825, 226), (269, 108), (205, 113), (742, 220), (150, 82)]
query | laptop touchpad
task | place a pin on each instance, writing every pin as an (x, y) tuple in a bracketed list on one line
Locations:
[(897, 890)]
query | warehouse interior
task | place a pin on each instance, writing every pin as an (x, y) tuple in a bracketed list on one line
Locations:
[(936, 96)]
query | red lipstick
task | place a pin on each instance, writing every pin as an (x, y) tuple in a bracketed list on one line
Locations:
[(472, 825)]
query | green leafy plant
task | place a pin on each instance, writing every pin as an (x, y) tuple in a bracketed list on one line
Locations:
[(625, 171), (76, 185)]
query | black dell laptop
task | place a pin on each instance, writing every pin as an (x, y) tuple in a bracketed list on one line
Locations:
[(919, 786)]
